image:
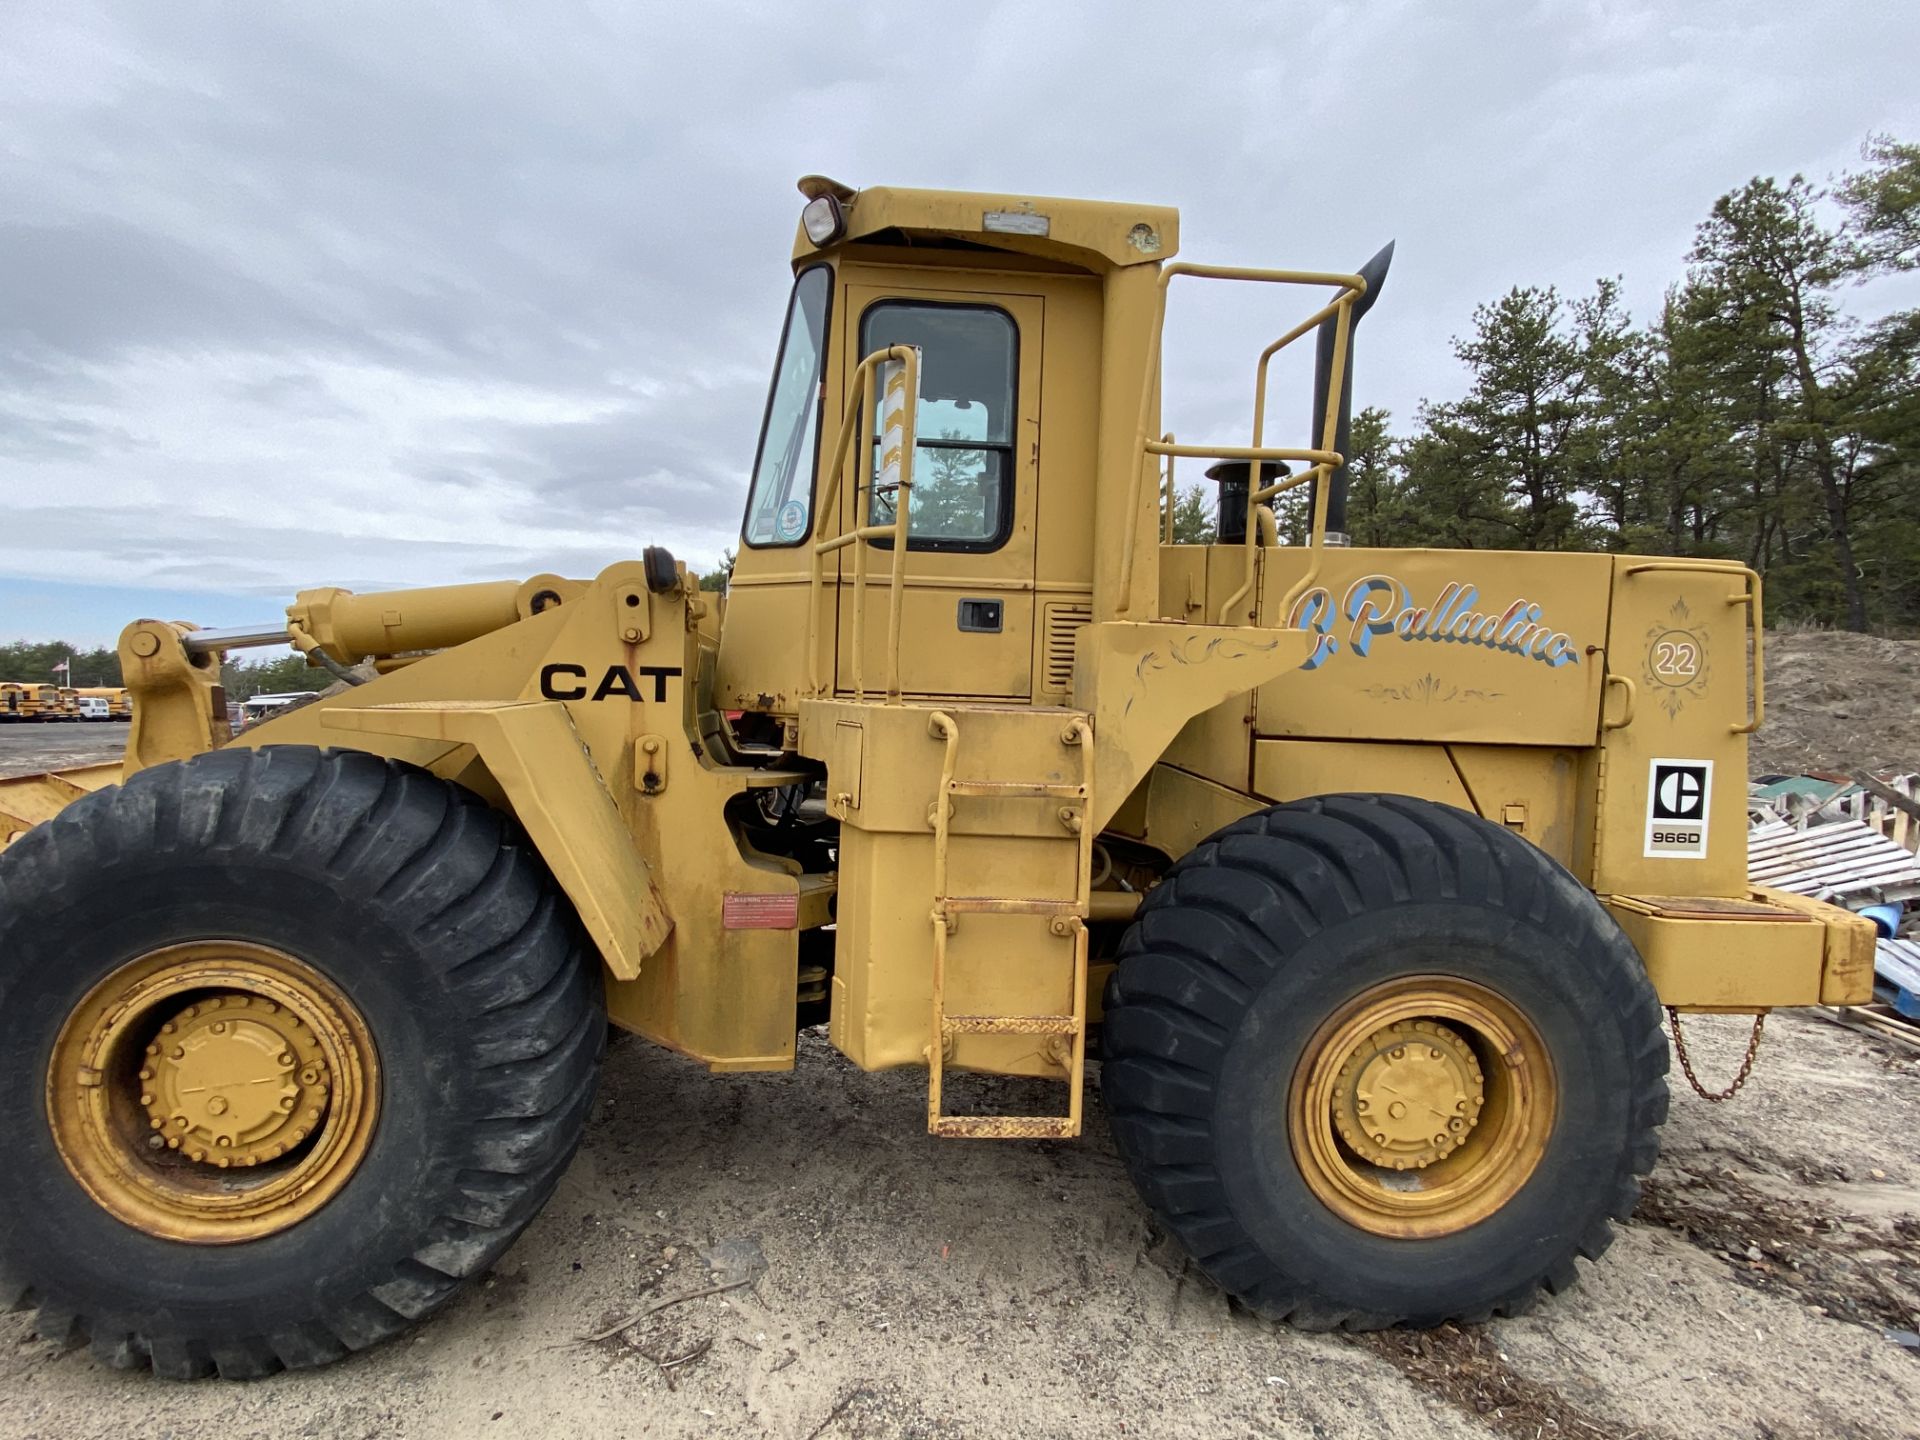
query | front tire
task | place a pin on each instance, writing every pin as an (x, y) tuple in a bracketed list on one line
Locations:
[(1376, 1061), (292, 1043)]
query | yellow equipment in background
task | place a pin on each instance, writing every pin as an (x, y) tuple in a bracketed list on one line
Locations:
[(34, 701), (118, 704), (1367, 870)]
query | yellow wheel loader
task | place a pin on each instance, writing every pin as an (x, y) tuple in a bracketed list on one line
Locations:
[(1364, 872)]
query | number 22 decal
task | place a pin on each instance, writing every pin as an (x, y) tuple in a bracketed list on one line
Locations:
[(1678, 658)]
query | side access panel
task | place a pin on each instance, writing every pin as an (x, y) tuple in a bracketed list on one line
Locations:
[(1672, 760)]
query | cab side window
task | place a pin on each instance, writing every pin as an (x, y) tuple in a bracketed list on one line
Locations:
[(963, 461)]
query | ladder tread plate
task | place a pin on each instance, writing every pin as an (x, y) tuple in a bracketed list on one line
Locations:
[(1006, 905), (1010, 1024), (1004, 1127), (1071, 789)]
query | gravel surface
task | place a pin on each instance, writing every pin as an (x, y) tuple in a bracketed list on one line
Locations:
[(922, 1287), (30, 748)]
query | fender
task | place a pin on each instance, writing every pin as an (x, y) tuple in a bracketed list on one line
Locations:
[(1143, 681), (538, 760)]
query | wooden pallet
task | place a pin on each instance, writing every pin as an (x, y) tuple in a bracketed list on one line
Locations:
[(1896, 976), (1844, 862), (1891, 807), (1876, 1020)]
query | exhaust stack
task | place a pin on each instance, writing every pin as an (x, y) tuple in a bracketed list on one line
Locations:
[(1374, 272)]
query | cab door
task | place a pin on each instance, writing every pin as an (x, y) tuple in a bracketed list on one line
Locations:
[(967, 609)]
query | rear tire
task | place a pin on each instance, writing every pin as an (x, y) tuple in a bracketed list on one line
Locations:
[(1263, 999), (422, 922)]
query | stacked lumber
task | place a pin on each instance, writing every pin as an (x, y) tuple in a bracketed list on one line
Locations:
[(1851, 845), (1844, 862), (1896, 970)]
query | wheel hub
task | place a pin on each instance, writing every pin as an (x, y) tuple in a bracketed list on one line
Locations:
[(213, 1092), (234, 1080), (1408, 1095)]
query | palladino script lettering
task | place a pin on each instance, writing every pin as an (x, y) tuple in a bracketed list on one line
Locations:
[(1379, 605)]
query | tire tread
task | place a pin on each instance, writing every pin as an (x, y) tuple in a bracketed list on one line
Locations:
[(504, 941), (1317, 863)]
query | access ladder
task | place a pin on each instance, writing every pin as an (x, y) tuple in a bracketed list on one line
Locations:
[(1066, 920)]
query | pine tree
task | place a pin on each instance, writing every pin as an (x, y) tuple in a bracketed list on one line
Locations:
[(1770, 268), (1376, 482)]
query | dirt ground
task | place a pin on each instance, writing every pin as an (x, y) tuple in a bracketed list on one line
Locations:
[(1837, 701), (933, 1288)]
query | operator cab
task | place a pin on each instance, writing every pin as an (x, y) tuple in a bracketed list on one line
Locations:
[(1010, 306)]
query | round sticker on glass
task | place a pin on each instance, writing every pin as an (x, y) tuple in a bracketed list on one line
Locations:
[(791, 522)]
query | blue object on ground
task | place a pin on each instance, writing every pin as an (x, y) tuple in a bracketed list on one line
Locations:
[(1886, 919)]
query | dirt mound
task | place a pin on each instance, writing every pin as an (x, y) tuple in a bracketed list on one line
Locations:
[(1837, 702)]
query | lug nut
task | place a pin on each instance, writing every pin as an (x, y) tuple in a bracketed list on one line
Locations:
[(155, 1142)]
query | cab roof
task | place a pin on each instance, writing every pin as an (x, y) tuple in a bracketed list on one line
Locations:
[(1095, 234)]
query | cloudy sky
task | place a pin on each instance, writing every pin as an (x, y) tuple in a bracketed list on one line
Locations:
[(378, 294)]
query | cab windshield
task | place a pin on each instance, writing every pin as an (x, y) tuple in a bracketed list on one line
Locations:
[(780, 504)]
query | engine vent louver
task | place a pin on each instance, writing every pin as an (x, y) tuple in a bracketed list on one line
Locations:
[(1063, 618)]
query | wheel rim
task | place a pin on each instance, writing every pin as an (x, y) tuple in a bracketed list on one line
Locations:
[(213, 1092), (1421, 1107)]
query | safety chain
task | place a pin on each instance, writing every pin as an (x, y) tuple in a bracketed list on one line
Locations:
[(1686, 1062)]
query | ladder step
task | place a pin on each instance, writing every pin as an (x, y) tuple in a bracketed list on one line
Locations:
[(1009, 1025), (1008, 789), (999, 905), (1004, 1127)]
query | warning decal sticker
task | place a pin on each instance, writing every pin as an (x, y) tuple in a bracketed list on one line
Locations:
[(1678, 796)]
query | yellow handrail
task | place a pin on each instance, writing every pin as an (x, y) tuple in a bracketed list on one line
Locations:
[(1169, 496), (1324, 460), (862, 536)]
